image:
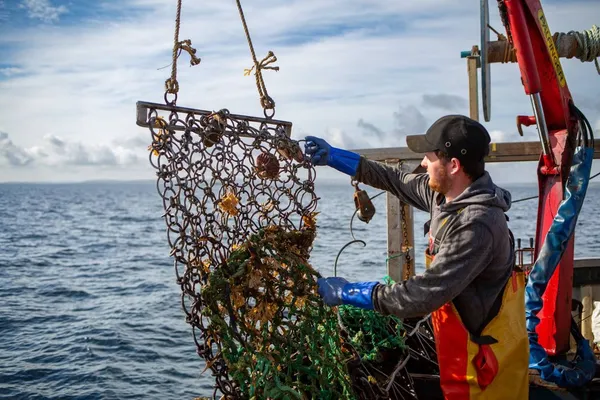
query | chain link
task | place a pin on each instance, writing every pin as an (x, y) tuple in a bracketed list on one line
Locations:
[(406, 248), (405, 239)]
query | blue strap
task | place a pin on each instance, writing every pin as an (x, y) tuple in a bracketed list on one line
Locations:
[(555, 243)]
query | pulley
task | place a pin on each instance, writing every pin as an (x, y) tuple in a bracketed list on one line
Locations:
[(365, 210)]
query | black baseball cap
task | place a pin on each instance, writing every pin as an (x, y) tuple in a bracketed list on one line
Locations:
[(456, 135)]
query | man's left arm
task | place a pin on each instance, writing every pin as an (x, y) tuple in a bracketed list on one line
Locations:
[(463, 255)]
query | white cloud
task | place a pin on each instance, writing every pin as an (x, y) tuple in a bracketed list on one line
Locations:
[(370, 129), (336, 137), (10, 71), (447, 102), (500, 136), (43, 10), (409, 120), (10, 154), (363, 75), (57, 152)]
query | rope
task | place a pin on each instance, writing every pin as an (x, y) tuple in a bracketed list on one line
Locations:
[(509, 50), (341, 250), (171, 84), (535, 197), (524, 199), (589, 44), (266, 101)]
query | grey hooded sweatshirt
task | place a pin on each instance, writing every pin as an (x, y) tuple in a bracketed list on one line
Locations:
[(475, 257)]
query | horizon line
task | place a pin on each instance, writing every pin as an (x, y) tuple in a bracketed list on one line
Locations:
[(148, 181)]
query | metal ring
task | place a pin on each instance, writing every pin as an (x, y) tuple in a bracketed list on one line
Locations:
[(269, 115), (448, 144), (463, 151), (173, 102)]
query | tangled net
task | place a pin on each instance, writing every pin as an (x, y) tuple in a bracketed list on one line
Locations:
[(240, 209), (371, 333), (279, 341)]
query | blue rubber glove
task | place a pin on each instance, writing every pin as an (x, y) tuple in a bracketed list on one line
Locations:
[(330, 289), (322, 153), (337, 291)]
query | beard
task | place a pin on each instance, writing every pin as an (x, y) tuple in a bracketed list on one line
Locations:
[(440, 183)]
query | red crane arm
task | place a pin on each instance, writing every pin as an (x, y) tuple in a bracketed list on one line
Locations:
[(544, 80)]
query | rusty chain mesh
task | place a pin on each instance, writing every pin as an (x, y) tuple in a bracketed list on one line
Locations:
[(240, 210)]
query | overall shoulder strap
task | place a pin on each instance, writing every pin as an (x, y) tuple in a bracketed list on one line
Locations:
[(476, 336)]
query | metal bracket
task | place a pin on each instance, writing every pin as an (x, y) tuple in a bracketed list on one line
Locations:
[(146, 112), (524, 120)]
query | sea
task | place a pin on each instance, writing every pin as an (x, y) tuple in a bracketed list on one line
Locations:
[(89, 306)]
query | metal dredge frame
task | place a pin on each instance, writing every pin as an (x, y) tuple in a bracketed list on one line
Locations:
[(216, 193)]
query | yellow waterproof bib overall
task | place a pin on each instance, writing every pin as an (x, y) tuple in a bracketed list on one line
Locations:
[(493, 365)]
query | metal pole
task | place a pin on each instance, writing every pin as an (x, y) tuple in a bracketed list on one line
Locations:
[(538, 112)]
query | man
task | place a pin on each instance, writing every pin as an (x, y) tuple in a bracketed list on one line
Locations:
[(470, 285)]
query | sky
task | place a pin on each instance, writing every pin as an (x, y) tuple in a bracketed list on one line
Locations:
[(359, 73)]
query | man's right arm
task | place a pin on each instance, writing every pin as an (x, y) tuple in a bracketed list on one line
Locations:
[(410, 188)]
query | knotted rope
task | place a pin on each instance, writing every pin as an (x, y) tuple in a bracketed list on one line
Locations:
[(588, 42), (266, 101), (171, 84)]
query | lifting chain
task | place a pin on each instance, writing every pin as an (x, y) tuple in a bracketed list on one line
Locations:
[(171, 84), (406, 248), (406, 245), (266, 101)]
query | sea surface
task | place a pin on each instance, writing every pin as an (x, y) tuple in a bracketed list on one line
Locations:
[(89, 307)]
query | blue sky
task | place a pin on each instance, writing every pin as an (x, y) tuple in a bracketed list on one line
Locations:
[(360, 73)]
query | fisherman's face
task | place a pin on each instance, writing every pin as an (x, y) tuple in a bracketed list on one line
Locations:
[(437, 169)]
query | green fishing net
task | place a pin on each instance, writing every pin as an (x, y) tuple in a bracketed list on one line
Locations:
[(371, 333), (278, 338)]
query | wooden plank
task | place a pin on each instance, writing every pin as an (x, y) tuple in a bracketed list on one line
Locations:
[(586, 315), (587, 263), (395, 261), (473, 87), (499, 152), (586, 271), (408, 242)]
